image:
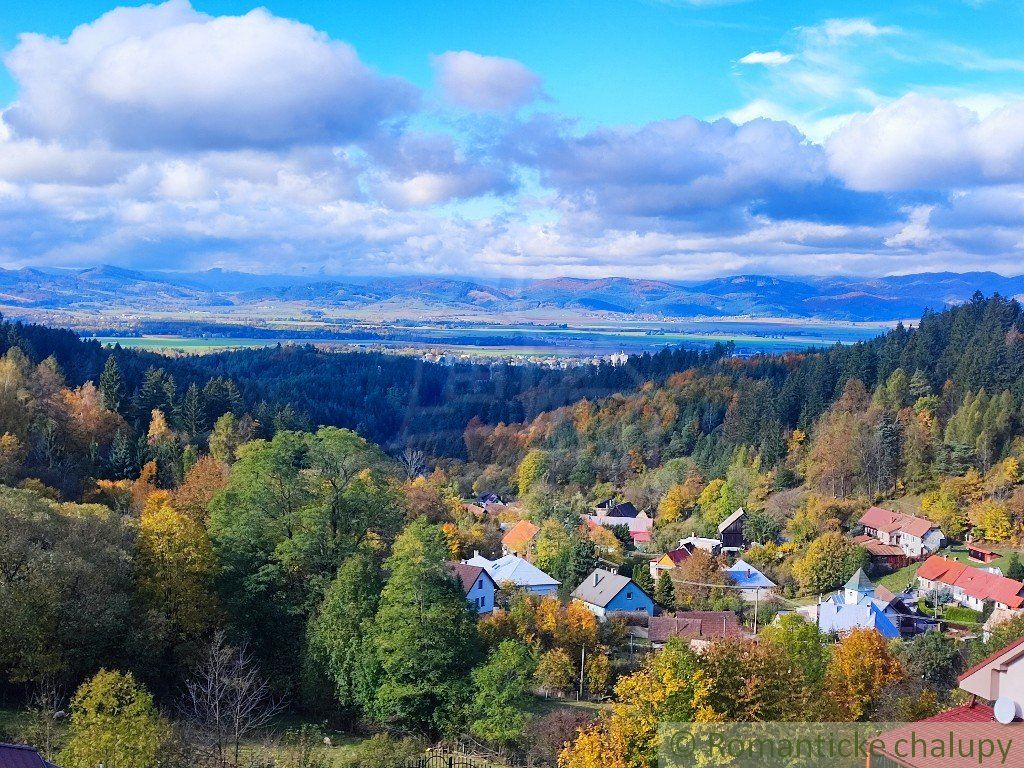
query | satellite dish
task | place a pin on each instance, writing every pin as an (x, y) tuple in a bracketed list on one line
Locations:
[(1006, 710)]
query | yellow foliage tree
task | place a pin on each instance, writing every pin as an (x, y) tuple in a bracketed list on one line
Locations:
[(175, 566), (859, 670)]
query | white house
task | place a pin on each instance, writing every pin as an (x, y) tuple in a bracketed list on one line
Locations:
[(517, 572), (916, 536), (972, 587)]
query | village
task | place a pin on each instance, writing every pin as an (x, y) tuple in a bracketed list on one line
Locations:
[(946, 587)]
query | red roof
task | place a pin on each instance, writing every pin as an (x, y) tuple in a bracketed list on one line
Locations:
[(640, 537), (678, 555), (889, 521), (979, 548), (937, 568), (975, 582), (974, 721)]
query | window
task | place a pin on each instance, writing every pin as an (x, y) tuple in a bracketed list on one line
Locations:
[(629, 595), (480, 584)]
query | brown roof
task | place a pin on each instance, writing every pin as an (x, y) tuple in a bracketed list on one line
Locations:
[(467, 574), (519, 536), (678, 555), (694, 625), (889, 521), (876, 548)]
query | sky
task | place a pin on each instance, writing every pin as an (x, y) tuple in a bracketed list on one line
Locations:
[(664, 139)]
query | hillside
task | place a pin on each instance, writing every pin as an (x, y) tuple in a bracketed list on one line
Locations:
[(30, 293)]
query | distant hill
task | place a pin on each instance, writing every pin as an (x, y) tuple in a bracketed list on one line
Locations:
[(838, 298)]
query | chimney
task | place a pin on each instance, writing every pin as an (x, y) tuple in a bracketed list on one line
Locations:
[(597, 578), (476, 553)]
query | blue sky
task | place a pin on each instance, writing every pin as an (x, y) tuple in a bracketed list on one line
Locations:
[(638, 137)]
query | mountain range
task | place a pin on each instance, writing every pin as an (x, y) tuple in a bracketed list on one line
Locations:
[(24, 292)]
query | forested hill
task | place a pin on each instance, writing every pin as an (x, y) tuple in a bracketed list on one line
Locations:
[(398, 401), (392, 400), (911, 405)]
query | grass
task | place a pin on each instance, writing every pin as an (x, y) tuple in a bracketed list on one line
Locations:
[(897, 581)]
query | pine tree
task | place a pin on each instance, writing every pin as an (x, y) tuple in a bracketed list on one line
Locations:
[(665, 592), (110, 384), (642, 578), (192, 413), (122, 459)]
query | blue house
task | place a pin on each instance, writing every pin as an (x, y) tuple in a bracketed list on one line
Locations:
[(477, 585), (860, 606), (605, 592)]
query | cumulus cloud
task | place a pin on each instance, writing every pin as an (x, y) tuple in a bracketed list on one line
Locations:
[(767, 58), (919, 142), (159, 136), (169, 76), (489, 83)]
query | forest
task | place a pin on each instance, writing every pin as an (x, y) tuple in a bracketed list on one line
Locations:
[(224, 543)]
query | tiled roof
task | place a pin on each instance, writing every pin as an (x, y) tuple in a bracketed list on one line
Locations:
[(841, 618), (975, 582), (937, 568), (889, 521), (877, 548), (695, 625), (17, 756), (678, 555), (520, 535)]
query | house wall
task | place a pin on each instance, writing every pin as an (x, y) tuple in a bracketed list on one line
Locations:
[(481, 595), (631, 598)]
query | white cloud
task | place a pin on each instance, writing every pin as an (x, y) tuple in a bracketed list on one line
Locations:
[(169, 76), (919, 142), (840, 29), (489, 83), (767, 58)]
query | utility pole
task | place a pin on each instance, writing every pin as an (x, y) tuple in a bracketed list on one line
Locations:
[(757, 595), (583, 660)]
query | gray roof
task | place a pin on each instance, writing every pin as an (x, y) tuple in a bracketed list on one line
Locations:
[(601, 587), (512, 569), (860, 582)]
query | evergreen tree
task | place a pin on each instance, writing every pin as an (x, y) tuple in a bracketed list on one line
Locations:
[(192, 413), (665, 592), (642, 578), (111, 384), (122, 456)]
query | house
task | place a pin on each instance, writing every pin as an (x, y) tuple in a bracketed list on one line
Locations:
[(753, 585), (887, 556), (668, 562), (639, 523), (862, 605), (972, 587), (606, 592), (625, 509), (693, 542), (730, 530), (981, 554), (518, 540), (916, 536), (996, 689), (516, 572), (19, 756), (477, 585), (700, 628), (485, 499)]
